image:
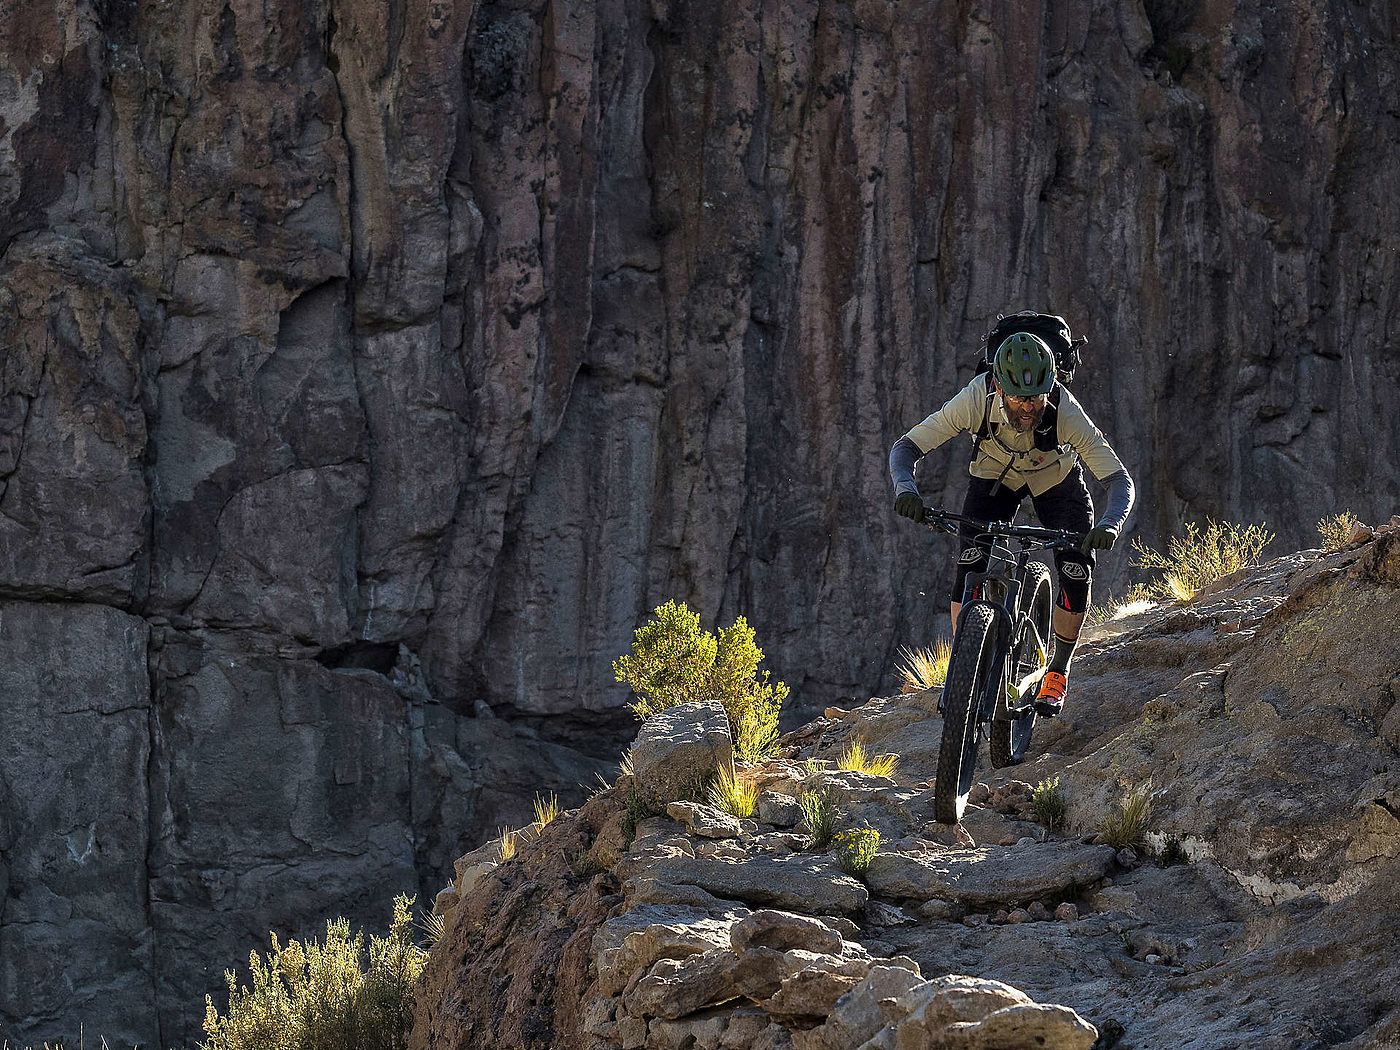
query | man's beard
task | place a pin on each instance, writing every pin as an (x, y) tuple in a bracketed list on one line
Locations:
[(1025, 419)]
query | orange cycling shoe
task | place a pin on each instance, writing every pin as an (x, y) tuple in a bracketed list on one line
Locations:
[(1051, 699)]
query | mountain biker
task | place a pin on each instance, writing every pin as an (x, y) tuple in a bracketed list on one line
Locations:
[(1036, 437)]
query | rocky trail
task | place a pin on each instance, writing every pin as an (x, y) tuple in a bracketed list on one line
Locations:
[(1262, 719)]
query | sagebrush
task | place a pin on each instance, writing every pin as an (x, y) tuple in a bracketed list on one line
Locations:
[(1336, 530), (312, 996), (819, 813), (675, 661), (1201, 557)]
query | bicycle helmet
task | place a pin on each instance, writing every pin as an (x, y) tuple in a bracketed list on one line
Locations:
[(1024, 366)]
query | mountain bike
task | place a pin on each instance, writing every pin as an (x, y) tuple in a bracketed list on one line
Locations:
[(1000, 653)]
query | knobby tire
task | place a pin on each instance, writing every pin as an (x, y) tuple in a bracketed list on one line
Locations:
[(968, 671), (1009, 740)]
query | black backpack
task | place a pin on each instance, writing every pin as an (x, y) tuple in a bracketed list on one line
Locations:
[(1054, 332), (1049, 328)]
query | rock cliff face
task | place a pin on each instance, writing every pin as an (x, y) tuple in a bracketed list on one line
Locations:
[(354, 354)]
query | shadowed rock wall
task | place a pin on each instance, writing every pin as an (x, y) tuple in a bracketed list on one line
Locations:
[(342, 335)]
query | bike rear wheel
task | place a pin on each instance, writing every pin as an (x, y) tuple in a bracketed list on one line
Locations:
[(1011, 738), (969, 670)]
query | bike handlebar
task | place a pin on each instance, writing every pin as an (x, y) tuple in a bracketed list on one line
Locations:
[(946, 521)]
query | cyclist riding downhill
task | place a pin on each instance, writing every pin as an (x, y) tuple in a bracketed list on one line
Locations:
[(1031, 437)]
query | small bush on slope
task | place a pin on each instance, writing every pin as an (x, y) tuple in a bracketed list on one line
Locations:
[(1337, 529), (819, 811), (1127, 827), (314, 996), (673, 661), (1201, 557)]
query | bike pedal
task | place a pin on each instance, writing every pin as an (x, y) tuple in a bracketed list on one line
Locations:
[(1047, 708), (1015, 714)]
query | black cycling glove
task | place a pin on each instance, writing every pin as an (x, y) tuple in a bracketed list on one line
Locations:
[(1100, 538), (910, 505)]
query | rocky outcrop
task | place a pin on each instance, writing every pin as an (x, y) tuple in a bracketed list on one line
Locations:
[(693, 943), (478, 329), (1265, 879)]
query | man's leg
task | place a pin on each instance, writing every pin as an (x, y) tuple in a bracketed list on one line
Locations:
[(1066, 506), (986, 500)]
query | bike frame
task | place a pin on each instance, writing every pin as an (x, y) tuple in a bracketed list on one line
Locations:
[(1008, 569), (995, 693)]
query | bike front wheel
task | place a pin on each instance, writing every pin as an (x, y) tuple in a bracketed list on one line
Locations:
[(1029, 650), (969, 670)]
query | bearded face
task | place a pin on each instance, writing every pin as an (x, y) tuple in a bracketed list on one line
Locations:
[(1024, 413)]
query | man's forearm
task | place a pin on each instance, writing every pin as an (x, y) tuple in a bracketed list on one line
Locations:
[(902, 459), (1120, 499)]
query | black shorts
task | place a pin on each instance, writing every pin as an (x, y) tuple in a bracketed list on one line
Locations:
[(1064, 506)]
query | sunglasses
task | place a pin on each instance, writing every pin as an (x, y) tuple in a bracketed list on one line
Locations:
[(1024, 402)]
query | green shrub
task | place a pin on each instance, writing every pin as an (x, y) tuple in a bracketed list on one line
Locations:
[(1201, 557), (819, 811), (855, 849), (1173, 852), (313, 996), (1049, 804), (674, 661)]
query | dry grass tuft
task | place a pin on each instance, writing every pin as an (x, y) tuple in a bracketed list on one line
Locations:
[(546, 809), (857, 759), (507, 844), (734, 795), (1134, 600), (924, 668), (1127, 827)]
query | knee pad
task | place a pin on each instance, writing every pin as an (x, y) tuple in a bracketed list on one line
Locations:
[(970, 559), (1075, 576)]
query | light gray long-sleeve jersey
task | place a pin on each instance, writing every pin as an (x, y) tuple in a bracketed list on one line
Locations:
[(1011, 455)]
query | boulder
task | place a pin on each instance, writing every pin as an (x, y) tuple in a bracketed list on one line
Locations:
[(778, 809), (1025, 1026), (801, 882), (990, 875), (677, 987), (782, 930), (633, 941), (704, 821), (679, 750)]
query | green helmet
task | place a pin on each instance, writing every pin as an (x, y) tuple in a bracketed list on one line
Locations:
[(1024, 366)]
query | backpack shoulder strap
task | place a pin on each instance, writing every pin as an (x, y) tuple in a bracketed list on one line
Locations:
[(985, 429), (1047, 437)]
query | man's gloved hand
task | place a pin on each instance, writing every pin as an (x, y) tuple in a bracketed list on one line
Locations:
[(1100, 538), (910, 505)]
